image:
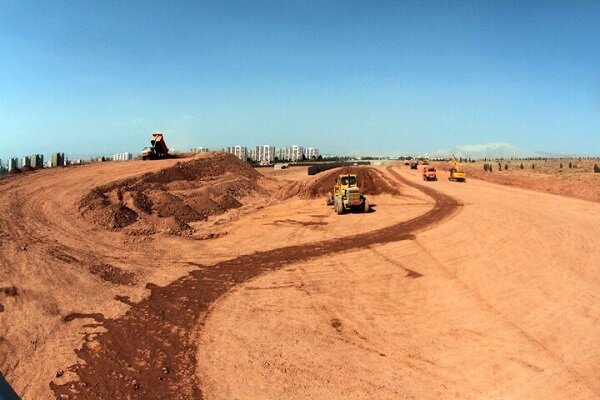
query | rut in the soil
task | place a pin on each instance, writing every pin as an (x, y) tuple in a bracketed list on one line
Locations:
[(149, 352)]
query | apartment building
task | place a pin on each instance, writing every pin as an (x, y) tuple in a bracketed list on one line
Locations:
[(57, 160), (291, 153), (36, 161), (240, 152), (12, 164), (25, 161), (264, 155), (312, 153), (122, 157)]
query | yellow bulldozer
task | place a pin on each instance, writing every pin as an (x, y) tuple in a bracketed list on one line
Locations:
[(347, 196), (457, 174)]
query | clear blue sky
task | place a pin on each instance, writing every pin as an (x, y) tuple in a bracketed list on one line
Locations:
[(90, 77)]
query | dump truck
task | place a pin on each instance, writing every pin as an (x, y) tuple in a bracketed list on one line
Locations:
[(414, 165), (456, 172), (347, 196), (429, 173), (158, 149)]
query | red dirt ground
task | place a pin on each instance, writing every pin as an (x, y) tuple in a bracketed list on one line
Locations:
[(162, 326), (447, 290)]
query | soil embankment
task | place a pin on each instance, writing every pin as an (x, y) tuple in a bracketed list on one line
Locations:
[(370, 180), (168, 200)]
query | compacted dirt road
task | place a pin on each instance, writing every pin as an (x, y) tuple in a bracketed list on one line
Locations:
[(447, 290)]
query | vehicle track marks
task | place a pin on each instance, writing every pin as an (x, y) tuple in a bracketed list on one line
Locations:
[(156, 334)]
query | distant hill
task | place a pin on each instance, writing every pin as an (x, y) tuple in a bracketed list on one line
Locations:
[(484, 150)]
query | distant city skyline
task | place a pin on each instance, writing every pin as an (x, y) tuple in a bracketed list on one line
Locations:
[(479, 150), (373, 77)]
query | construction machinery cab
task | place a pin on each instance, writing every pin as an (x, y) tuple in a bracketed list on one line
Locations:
[(347, 180), (346, 195)]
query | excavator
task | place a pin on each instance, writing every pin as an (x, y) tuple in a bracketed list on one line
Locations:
[(457, 174), (158, 149)]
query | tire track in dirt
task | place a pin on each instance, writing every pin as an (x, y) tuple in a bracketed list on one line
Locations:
[(149, 352)]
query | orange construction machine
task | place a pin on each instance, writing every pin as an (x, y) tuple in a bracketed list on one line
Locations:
[(429, 173)]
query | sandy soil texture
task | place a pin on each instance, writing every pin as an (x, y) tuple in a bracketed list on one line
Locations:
[(446, 290)]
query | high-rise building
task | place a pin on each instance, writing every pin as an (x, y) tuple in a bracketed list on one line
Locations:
[(25, 162), (12, 164), (264, 154), (292, 153), (312, 153), (36, 161), (240, 152), (122, 157), (57, 160)]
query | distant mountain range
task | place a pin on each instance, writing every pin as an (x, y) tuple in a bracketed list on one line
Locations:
[(492, 150)]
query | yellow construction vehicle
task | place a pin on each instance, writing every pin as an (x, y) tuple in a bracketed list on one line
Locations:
[(456, 172), (346, 195)]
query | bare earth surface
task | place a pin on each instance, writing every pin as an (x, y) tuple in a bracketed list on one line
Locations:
[(447, 290), (546, 176)]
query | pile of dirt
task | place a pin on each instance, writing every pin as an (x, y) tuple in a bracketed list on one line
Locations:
[(168, 200), (370, 181)]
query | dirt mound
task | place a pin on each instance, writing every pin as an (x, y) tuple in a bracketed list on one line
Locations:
[(371, 182), (168, 200)]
